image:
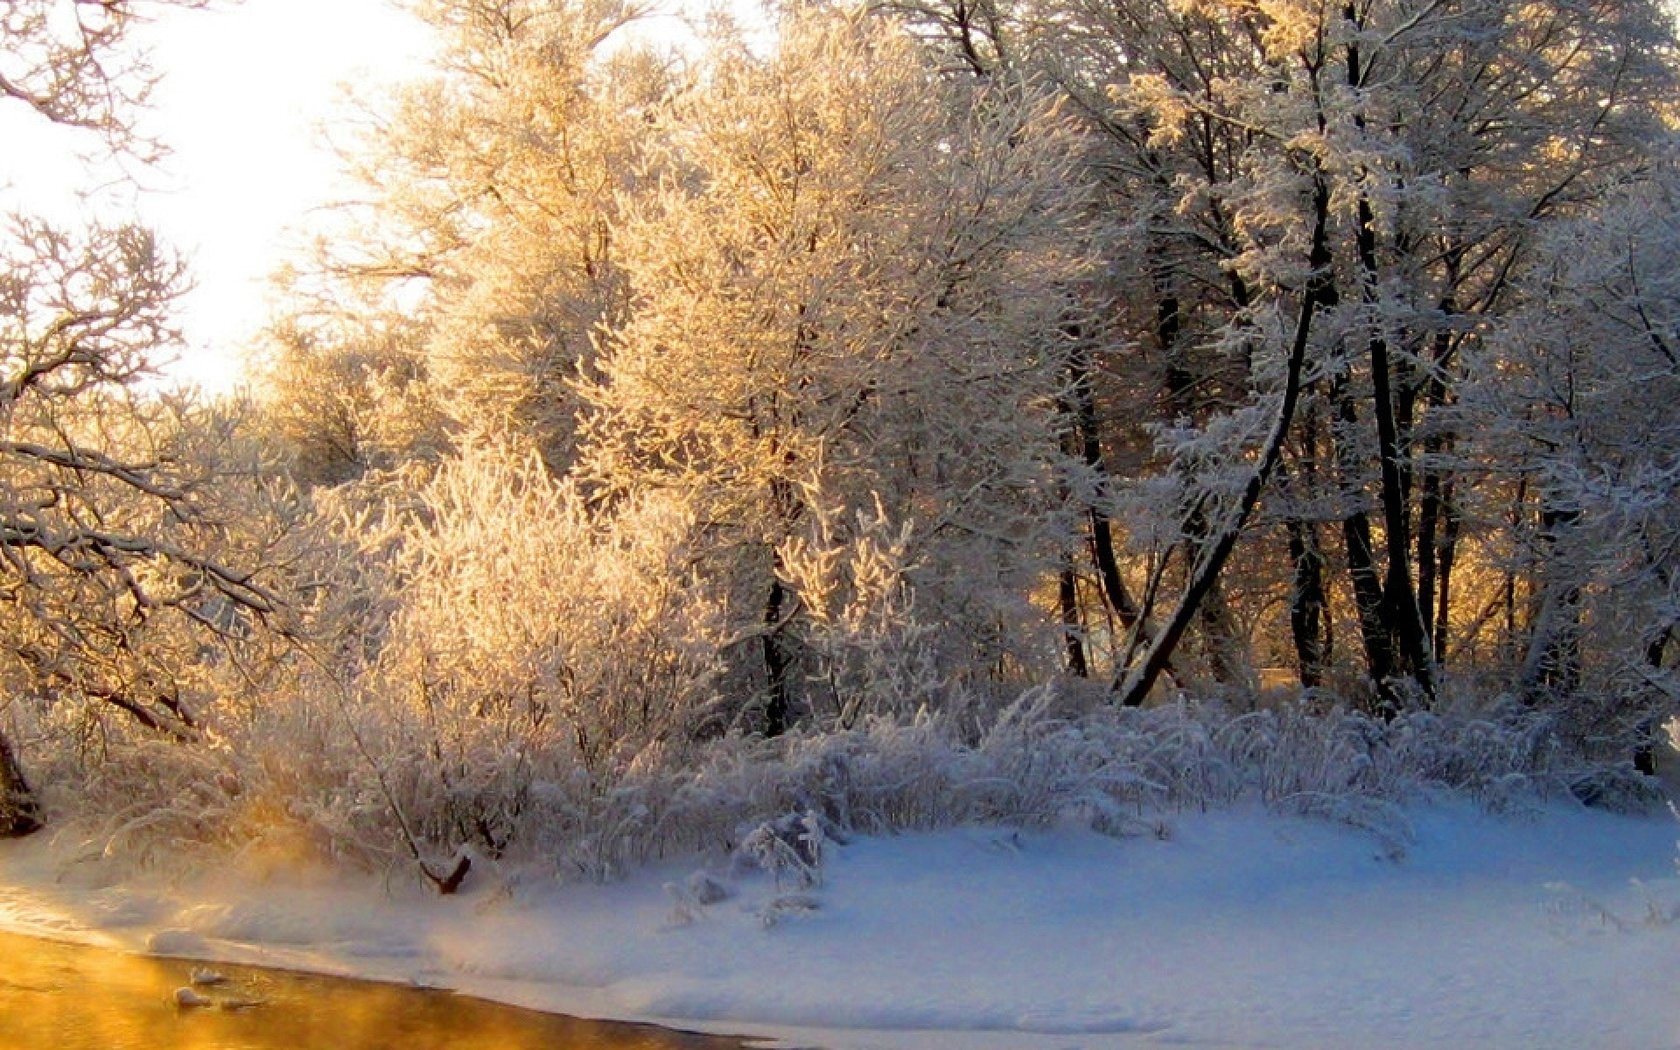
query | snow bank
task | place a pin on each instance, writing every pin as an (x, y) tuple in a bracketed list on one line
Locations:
[(1234, 928)]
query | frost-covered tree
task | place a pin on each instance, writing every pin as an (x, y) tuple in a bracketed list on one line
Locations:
[(342, 400), (1429, 143), (1572, 403), (118, 566), (849, 305), (496, 184)]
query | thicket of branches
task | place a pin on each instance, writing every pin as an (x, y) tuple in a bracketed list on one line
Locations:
[(1278, 395)]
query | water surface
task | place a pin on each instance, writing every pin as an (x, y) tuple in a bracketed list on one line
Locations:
[(63, 997)]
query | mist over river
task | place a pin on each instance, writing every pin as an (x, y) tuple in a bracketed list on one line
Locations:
[(66, 997)]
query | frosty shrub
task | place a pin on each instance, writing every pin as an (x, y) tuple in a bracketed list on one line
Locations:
[(535, 651), (871, 652), (1116, 771), (151, 799), (458, 773)]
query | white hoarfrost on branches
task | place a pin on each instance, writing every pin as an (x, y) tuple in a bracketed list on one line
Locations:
[(134, 542), (729, 452), (846, 300), (568, 634), (521, 654), (1572, 399), (497, 194), (75, 65)]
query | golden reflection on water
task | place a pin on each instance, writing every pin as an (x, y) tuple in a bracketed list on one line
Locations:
[(59, 997)]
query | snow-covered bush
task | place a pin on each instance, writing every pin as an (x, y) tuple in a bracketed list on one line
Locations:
[(358, 779), (871, 652), (537, 644), (1116, 771)]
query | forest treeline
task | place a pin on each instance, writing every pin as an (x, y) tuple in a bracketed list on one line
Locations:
[(978, 378)]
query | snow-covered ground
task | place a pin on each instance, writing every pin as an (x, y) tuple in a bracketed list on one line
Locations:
[(1238, 928)]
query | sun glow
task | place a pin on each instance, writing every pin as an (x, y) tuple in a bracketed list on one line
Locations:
[(244, 95)]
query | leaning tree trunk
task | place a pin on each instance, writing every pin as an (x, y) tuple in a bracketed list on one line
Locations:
[(1087, 437), (20, 814), (1132, 685), (1227, 662)]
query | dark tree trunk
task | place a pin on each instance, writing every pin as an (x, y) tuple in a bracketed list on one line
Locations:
[(1213, 615), (1436, 531), (1361, 561), (1203, 573), (1508, 593), (1088, 440), (1430, 513), (1081, 439), (1645, 747), (1401, 620), (777, 703), (1380, 657), (1645, 754), (1108, 571), (780, 606), (1307, 619), (1446, 555), (1073, 631), (20, 814), (1067, 581), (1552, 669), (1400, 601)]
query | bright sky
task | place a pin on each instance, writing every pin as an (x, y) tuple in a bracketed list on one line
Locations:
[(245, 91)]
